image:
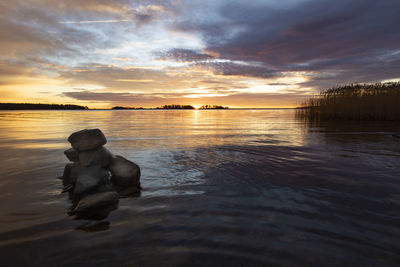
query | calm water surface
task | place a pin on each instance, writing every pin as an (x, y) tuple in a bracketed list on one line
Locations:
[(221, 187)]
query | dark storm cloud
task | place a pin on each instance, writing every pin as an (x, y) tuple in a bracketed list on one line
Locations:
[(308, 35), (372, 72), (220, 67), (239, 69)]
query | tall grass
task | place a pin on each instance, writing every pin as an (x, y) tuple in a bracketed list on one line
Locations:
[(379, 101)]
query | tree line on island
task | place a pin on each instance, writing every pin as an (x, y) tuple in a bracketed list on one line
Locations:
[(38, 106), (213, 107), (121, 107), (176, 106), (30, 106)]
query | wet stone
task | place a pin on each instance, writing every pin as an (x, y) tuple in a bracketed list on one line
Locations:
[(87, 139), (89, 179), (72, 154), (100, 157), (125, 173), (96, 206), (71, 172), (97, 200), (130, 191)]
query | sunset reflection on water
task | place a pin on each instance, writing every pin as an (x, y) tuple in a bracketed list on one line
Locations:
[(146, 129), (238, 187)]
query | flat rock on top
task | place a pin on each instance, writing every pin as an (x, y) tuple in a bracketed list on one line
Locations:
[(88, 139)]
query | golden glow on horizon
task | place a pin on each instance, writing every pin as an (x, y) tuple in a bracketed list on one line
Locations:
[(98, 86), (49, 90), (203, 95), (134, 81)]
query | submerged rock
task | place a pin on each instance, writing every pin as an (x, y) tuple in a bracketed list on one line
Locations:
[(89, 179), (87, 139), (72, 154), (94, 227), (101, 157), (68, 188), (125, 173), (130, 191), (96, 206), (97, 200)]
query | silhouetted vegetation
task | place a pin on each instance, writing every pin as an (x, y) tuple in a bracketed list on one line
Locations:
[(23, 106), (176, 107), (213, 107), (120, 107), (380, 101)]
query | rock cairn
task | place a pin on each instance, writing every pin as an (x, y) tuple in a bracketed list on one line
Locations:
[(95, 178)]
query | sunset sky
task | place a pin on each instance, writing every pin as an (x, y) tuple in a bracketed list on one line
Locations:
[(269, 53)]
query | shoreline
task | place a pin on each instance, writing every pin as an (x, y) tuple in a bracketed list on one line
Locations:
[(144, 109)]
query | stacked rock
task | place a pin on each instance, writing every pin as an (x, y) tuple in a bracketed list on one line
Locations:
[(96, 178)]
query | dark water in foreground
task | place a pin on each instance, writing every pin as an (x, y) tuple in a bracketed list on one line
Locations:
[(221, 187)]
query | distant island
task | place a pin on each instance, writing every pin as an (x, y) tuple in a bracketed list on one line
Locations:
[(120, 107), (379, 101), (27, 106), (191, 107), (176, 107), (31, 106), (213, 107)]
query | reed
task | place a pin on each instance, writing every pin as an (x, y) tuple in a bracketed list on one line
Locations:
[(379, 101)]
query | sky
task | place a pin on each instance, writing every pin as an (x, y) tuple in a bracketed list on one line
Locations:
[(259, 53)]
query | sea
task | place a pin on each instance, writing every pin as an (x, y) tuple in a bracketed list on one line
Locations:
[(220, 188)]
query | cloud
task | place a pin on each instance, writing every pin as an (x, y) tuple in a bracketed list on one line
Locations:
[(75, 6), (28, 31), (152, 100), (231, 68), (320, 36), (153, 50), (185, 55), (96, 21), (123, 79), (134, 81)]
